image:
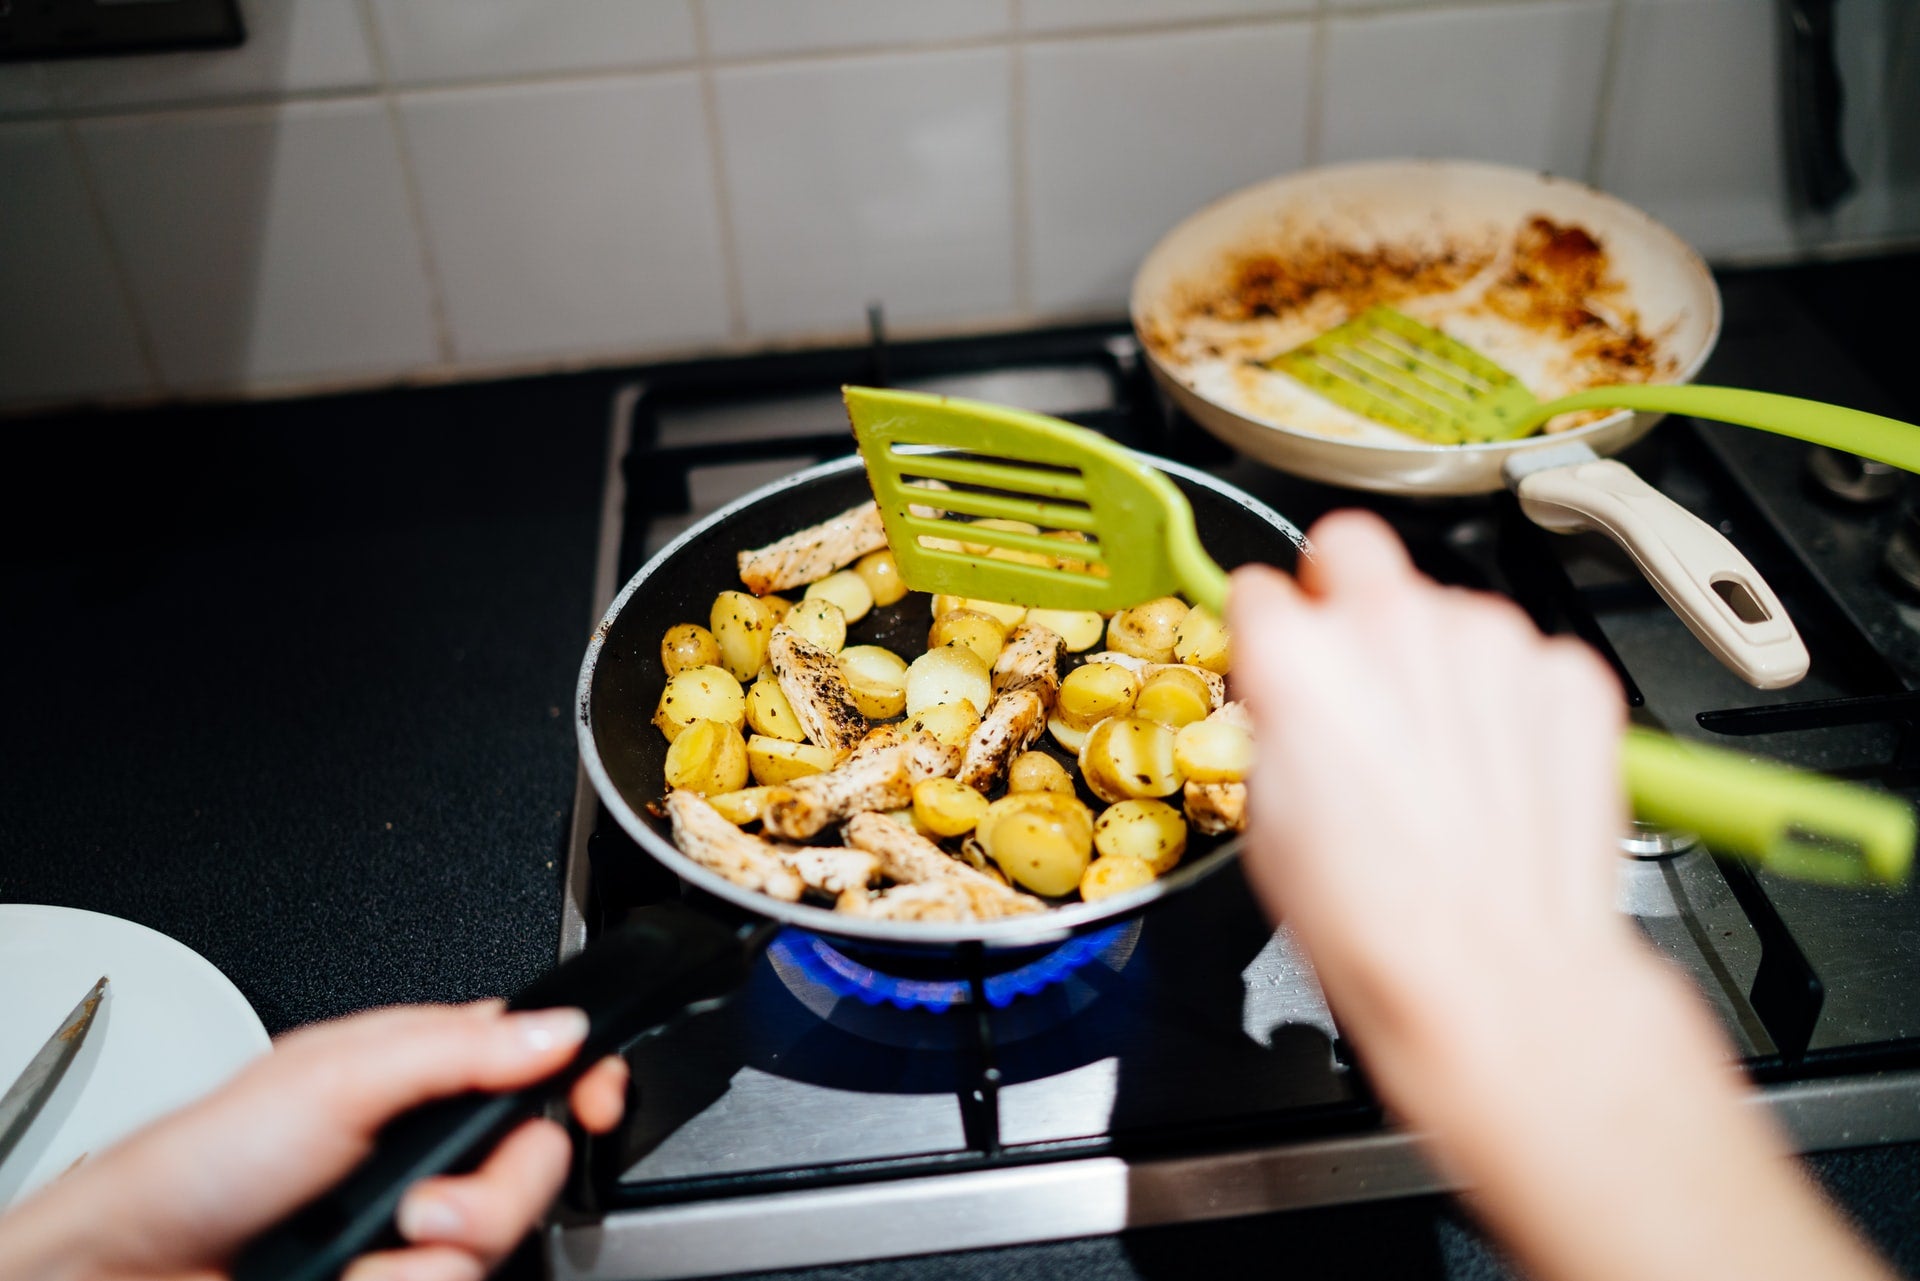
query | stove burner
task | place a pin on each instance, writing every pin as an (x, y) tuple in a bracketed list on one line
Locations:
[(1853, 479), (1648, 840), (826, 965)]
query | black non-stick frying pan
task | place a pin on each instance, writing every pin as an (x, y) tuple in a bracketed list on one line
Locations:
[(674, 958)]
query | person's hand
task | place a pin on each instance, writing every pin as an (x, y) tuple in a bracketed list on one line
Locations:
[(1434, 814), (180, 1198), (1436, 795)]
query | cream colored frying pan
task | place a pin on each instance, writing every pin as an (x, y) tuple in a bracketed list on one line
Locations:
[(1426, 210)]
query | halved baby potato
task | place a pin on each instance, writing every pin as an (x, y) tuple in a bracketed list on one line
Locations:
[(846, 589), (688, 645), (877, 679), (1150, 831), (700, 694), (948, 675), (1213, 752), (708, 757), (1148, 630), (982, 633), (774, 761), (1079, 628), (769, 712), (820, 621), (1128, 756), (950, 723), (741, 623)]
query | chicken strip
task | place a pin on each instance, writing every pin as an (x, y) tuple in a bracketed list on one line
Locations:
[(707, 838), (831, 870), (814, 552), (810, 678), (1030, 660), (1216, 808), (1234, 713), (1013, 721), (881, 779), (912, 859)]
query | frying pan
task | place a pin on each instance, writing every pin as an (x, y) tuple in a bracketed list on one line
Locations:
[(1561, 485), (677, 958)]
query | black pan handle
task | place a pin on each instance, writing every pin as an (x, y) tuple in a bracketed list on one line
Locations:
[(1814, 105), (668, 961)]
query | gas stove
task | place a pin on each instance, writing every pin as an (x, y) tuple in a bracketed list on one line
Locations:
[(1183, 1066)]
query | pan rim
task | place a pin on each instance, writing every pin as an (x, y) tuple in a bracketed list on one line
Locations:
[(1685, 255), (1053, 926)]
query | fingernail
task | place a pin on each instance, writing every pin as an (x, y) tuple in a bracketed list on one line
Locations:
[(545, 1029), (428, 1218)]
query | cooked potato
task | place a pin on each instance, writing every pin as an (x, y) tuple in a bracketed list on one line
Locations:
[(1038, 772), (877, 678), (1079, 628), (1066, 735), (1201, 639), (982, 633), (1213, 752), (946, 806), (700, 694), (1094, 691), (846, 589), (994, 522), (1010, 616), (1072, 563), (774, 761), (1041, 840), (707, 757), (769, 712), (1173, 696), (1152, 832), (881, 573), (744, 806), (1128, 756), (820, 621), (951, 723), (1147, 631), (948, 675), (780, 605), (688, 645), (741, 624), (1113, 874)]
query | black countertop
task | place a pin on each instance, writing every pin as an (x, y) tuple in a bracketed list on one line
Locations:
[(286, 682)]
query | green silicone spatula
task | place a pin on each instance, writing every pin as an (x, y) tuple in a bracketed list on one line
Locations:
[(931, 456), (1389, 367), (1014, 465)]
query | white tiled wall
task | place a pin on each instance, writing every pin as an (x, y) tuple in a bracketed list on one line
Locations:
[(380, 189)]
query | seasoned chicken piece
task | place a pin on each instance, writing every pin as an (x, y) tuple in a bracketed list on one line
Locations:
[(1235, 714), (912, 859), (831, 870), (810, 678), (814, 552), (881, 779), (1216, 808), (1030, 660), (1216, 683), (877, 739), (707, 838), (930, 901), (1138, 666), (1013, 721)]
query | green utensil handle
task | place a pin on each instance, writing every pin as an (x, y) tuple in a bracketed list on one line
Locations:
[(1886, 440), (1788, 821)]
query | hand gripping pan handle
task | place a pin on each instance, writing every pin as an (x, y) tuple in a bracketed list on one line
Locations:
[(672, 960)]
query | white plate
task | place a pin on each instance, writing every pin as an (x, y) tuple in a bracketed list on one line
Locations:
[(171, 1029)]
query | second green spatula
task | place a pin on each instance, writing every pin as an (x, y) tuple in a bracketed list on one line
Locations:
[(1387, 366), (928, 456)]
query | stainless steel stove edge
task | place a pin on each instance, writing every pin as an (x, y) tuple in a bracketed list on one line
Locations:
[(1091, 1197)]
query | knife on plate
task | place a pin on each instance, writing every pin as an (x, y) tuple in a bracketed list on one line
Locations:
[(27, 1095)]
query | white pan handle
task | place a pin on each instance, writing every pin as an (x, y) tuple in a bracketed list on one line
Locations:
[(1713, 588)]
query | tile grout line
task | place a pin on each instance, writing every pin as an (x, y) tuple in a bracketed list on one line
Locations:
[(1022, 184), (1609, 85), (116, 261), (732, 278), (1317, 83), (409, 184), (704, 63)]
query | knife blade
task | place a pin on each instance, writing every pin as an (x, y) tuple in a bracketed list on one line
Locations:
[(29, 1093)]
